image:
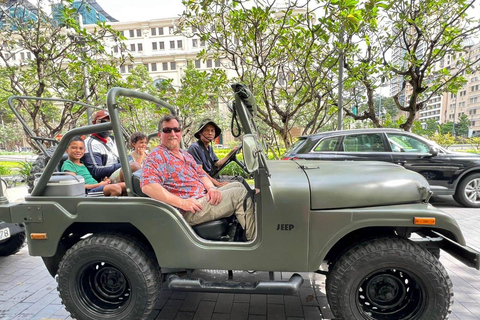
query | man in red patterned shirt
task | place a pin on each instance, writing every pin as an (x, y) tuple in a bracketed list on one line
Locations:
[(171, 175)]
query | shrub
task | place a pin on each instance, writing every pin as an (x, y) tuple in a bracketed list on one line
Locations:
[(25, 169)]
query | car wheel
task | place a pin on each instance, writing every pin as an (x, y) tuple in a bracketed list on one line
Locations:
[(468, 191), (13, 244), (108, 276), (389, 278)]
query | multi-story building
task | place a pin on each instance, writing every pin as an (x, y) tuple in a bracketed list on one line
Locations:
[(156, 45), (467, 100), (446, 107), (165, 53), (90, 11), (18, 9)]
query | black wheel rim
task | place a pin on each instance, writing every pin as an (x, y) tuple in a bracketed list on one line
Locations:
[(103, 289), (390, 294)]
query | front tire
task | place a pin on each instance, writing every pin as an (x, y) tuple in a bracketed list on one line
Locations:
[(389, 278), (108, 276), (468, 191)]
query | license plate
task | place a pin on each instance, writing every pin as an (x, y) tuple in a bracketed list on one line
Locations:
[(4, 233)]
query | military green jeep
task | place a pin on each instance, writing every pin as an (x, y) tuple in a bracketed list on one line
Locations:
[(367, 226)]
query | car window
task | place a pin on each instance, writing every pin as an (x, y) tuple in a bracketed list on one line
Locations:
[(405, 143), (364, 143), (327, 144), (296, 145)]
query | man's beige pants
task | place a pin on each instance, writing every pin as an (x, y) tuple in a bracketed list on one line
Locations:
[(233, 195)]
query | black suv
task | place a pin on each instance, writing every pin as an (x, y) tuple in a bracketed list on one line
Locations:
[(449, 173)]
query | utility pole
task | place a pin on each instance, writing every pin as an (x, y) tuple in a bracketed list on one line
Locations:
[(86, 84), (340, 84), (86, 91)]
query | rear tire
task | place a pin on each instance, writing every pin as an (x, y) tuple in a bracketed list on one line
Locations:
[(13, 244), (38, 166), (108, 276), (468, 191), (389, 278)]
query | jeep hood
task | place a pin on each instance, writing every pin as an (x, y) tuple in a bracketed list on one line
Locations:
[(347, 184)]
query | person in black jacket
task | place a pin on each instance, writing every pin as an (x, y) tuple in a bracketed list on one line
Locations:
[(101, 156), (203, 153)]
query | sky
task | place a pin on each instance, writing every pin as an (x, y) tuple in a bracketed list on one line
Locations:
[(128, 10)]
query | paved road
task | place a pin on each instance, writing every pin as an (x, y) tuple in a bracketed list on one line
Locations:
[(28, 292)]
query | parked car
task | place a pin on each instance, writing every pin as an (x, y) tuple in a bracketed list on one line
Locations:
[(448, 172)]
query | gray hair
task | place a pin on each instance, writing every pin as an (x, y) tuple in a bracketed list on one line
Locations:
[(167, 118)]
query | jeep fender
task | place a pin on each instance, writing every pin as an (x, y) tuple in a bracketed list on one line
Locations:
[(346, 221)]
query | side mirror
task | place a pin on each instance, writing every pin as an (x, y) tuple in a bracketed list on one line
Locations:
[(433, 151), (250, 152)]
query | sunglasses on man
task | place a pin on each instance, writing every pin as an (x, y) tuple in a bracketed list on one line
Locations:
[(168, 130)]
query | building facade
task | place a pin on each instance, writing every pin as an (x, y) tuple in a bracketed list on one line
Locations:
[(467, 100)]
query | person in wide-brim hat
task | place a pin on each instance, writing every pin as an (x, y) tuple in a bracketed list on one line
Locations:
[(202, 126), (202, 151)]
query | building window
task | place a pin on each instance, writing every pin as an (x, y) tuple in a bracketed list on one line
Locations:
[(197, 64), (132, 33), (172, 44), (29, 55), (179, 44), (160, 31), (140, 47), (154, 67), (122, 33), (122, 69), (209, 63), (170, 30), (154, 46), (130, 67), (153, 31), (132, 47), (165, 65), (202, 43), (22, 56), (473, 100), (146, 66), (115, 49), (195, 43), (162, 45), (173, 66), (139, 32), (217, 63)]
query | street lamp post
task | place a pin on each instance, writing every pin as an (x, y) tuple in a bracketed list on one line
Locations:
[(340, 84), (86, 91)]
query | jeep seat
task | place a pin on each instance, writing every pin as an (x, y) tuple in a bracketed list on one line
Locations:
[(212, 230), (137, 190)]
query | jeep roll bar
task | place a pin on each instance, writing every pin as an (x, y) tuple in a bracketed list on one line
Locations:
[(38, 140), (114, 125)]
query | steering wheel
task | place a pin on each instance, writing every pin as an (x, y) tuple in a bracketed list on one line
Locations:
[(232, 157)]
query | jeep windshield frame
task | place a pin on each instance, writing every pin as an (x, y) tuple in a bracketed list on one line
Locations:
[(244, 109)]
